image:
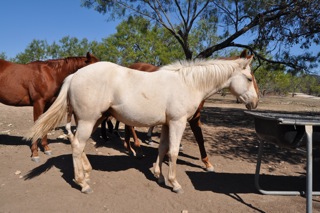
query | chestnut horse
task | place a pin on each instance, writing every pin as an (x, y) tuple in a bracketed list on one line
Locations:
[(173, 95), (37, 84)]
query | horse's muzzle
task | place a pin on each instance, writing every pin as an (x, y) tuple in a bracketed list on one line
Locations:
[(252, 105)]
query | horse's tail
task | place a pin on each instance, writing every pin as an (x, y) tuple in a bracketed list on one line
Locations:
[(53, 116)]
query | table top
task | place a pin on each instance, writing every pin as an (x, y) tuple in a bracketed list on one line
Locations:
[(282, 118)]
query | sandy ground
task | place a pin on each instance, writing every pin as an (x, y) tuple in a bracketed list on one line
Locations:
[(124, 184)]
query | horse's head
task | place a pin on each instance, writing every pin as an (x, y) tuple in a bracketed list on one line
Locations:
[(243, 84), (91, 59)]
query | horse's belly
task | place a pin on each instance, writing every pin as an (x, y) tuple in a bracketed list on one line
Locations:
[(14, 99), (139, 118)]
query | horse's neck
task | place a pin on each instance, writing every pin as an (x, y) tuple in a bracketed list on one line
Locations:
[(210, 79), (68, 67)]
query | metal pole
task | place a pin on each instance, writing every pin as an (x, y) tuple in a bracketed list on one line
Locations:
[(309, 168)]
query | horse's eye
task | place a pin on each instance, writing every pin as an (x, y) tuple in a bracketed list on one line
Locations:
[(249, 78)]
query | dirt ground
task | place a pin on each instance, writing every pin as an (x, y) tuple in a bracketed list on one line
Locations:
[(125, 184)]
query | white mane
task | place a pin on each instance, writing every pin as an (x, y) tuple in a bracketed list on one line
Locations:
[(203, 73)]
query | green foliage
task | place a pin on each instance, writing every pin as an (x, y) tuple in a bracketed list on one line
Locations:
[(36, 50), (279, 82), (137, 40), (66, 47), (203, 27), (310, 85), (3, 56)]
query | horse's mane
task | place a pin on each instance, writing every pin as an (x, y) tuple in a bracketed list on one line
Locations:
[(57, 64), (202, 73)]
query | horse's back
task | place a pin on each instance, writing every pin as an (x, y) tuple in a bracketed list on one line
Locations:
[(143, 67), (108, 86)]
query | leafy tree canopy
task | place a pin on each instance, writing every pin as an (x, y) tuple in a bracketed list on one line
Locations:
[(277, 26)]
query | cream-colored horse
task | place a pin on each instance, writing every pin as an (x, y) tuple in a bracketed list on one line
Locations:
[(169, 97)]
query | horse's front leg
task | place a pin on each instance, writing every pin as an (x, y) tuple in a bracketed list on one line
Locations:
[(176, 129), (163, 150)]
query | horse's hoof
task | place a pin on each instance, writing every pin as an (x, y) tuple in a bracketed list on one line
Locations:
[(116, 133), (178, 190), (149, 141), (132, 155), (87, 190), (49, 152), (35, 159), (140, 156), (161, 180), (209, 169)]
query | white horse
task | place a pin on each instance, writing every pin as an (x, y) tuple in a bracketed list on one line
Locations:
[(169, 98)]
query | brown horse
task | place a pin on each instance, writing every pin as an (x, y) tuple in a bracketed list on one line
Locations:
[(195, 125), (37, 84)]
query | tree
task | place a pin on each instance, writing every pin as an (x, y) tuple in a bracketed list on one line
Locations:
[(66, 47), (3, 56), (36, 50), (310, 85), (279, 25), (135, 41), (72, 46)]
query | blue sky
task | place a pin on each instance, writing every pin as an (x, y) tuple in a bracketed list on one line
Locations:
[(50, 20)]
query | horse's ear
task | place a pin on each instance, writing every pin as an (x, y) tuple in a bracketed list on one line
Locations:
[(247, 61), (244, 54), (88, 55)]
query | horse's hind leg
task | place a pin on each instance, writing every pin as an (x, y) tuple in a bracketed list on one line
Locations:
[(195, 125), (116, 128), (86, 167), (103, 130), (149, 135), (38, 109), (69, 119), (81, 164), (137, 152), (196, 129), (163, 149), (34, 152), (127, 143)]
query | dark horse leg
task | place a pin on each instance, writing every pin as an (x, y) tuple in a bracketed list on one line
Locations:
[(104, 130), (195, 125), (38, 109), (129, 130), (138, 151)]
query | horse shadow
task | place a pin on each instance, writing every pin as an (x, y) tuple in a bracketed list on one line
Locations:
[(241, 183), (104, 163), (19, 141), (233, 184)]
